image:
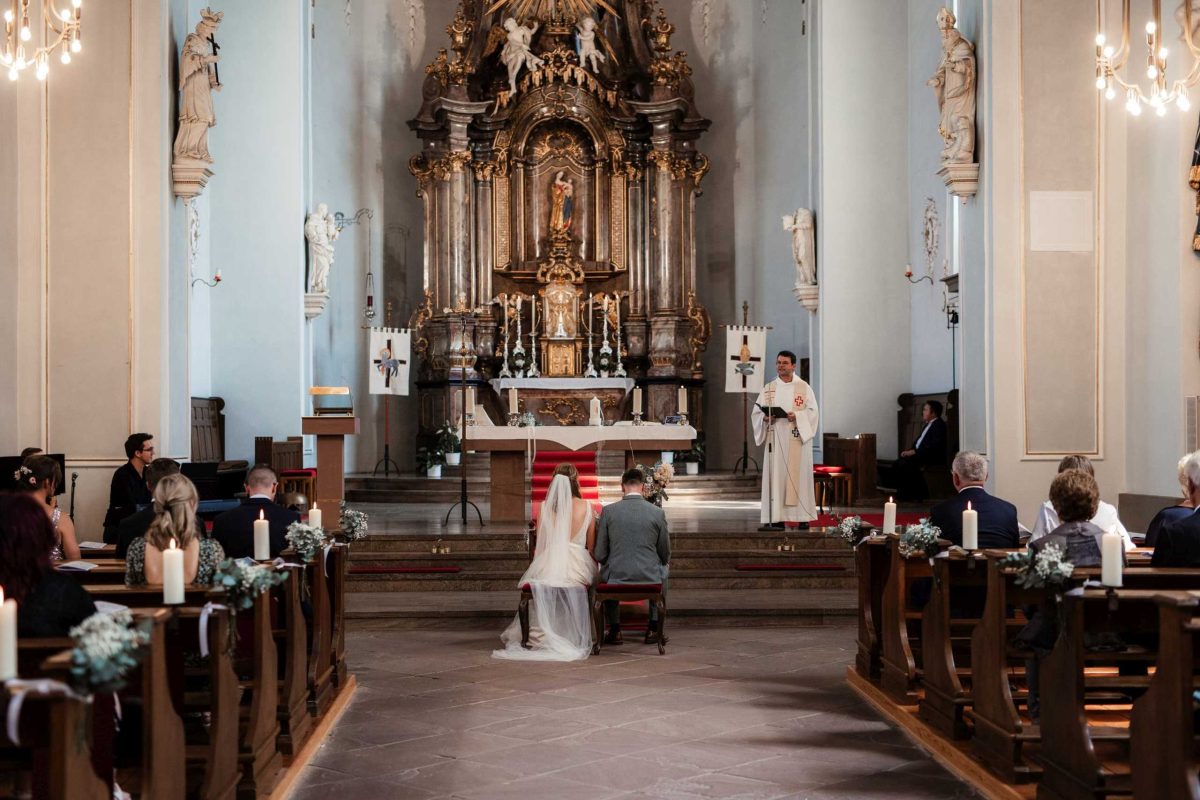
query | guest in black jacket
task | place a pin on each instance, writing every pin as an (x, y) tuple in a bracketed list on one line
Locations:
[(49, 603), (1173, 513), (235, 529), (136, 525), (1178, 543), (998, 526), (128, 488), (929, 449)]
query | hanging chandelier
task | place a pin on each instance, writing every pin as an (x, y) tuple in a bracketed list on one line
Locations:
[(1110, 62), (59, 30)]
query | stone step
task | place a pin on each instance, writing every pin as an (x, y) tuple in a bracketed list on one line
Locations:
[(681, 560), (682, 541), (500, 580)]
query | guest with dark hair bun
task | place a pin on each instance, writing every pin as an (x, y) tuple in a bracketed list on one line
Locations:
[(41, 476), (49, 603)]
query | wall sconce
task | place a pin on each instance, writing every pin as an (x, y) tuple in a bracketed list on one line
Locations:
[(341, 221), (908, 273), (215, 280)]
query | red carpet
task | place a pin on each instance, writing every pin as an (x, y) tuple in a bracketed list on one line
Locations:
[(543, 472)]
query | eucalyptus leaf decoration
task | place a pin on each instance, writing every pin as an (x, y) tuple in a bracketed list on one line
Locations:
[(243, 582), (1049, 568), (920, 540), (306, 540), (353, 523), (107, 648)]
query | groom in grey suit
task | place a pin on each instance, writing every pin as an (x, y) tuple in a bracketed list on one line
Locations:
[(633, 545)]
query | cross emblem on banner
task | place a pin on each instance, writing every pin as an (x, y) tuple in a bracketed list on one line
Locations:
[(745, 361), (387, 365)]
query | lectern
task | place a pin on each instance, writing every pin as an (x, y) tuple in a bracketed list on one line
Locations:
[(331, 426)]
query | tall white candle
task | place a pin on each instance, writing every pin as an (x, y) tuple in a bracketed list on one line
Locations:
[(889, 516), (970, 528), (471, 400), (8, 638), (682, 400), (262, 538), (314, 516), (512, 400), (1112, 554), (637, 399), (172, 559), (596, 417)]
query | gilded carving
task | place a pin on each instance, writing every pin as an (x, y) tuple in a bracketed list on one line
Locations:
[(500, 226), (701, 330), (567, 411), (416, 323), (559, 142), (616, 233)]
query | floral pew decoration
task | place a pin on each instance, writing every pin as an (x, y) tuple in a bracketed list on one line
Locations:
[(920, 540), (353, 524)]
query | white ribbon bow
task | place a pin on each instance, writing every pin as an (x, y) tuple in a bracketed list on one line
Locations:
[(42, 687), (204, 615)]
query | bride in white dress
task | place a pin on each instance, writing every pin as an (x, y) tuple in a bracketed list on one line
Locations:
[(559, 576)]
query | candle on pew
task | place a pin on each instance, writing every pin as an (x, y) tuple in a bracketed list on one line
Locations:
[(682, 403), (512, 400), (262, 538), (8, 638), (889, 516), (637, 399), (970, 528), (172, 575), (314, 516), (1112, 555)]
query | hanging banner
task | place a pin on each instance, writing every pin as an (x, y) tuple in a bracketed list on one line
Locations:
[(745, 350), (388, 359)]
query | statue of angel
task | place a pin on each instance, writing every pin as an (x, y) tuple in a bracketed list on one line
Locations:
[(585, 44), (803, 245), (321, 231), (517, 51)]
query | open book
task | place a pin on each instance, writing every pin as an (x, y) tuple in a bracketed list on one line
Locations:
[(774, 412)]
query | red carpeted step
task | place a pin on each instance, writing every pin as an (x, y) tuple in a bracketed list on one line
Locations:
[(539, 495), (789, 568), (585, 481)]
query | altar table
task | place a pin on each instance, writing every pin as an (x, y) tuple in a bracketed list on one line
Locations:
[(511, 446)]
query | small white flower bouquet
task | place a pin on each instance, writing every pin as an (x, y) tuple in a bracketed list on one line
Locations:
[(852, 529), (1048, 568), (244, 581), (107, 648), (353, 523), (306, 540)]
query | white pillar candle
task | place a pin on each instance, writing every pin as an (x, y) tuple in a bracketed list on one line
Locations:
[(1112, 554), (262, 538), (512, 400), (889, 516), (970, 528), (471, 400), (637, 399), (596, 417), (172, 562), (8, 638), (314, 516), (682, 400)]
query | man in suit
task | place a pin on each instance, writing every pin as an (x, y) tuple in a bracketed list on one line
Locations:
[(235, 529), (998, 526), (128, 489), (137, 524), (1178, 542), (633, 545), (928, 449)]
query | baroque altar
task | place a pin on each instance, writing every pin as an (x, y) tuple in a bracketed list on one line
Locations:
[(559, 172)]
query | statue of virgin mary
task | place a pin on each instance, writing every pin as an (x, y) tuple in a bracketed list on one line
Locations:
[(562, 196)]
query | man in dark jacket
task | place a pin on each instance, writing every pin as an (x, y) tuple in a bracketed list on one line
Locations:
[(998, 526), (137, 524), (128, 488), (1178, 542), (235, 529), (929, 449)]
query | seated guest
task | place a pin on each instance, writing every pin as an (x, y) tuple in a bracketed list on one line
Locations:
[(1106, 515), (1075, 497), (1183, 508), (998, 526), (31, 451), (928, 449), (41, 477), (175, 502), (136, 525), (128, 488), (49, 603), (1178, 542), (234, 529)]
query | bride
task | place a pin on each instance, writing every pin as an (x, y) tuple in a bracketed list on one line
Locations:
[(559, 576)]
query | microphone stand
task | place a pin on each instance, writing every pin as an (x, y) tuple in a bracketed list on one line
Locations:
[(463, 502), (71, 513)]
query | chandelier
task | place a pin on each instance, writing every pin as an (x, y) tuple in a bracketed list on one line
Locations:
[(1110, 62), (60, 30)]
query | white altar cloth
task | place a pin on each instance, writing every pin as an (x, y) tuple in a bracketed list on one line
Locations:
[(651, 436)]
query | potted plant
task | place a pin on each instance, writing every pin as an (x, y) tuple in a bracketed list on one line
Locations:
[(692, 458), (450, 444), (430, 461)]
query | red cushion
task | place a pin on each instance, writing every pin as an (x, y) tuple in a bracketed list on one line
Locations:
[(630, 588), (828, 469), (296, 473)]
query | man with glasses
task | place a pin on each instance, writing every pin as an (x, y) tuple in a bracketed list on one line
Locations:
[(128, 489)]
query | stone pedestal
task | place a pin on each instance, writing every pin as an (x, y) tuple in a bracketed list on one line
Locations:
[(962, 179), (189, 176), (314, 304), (808, 296)]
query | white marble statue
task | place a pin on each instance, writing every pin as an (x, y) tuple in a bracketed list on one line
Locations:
[(517, 52), (585, 35), (321, 231), (197, 80), (954, 84), (804, 249)]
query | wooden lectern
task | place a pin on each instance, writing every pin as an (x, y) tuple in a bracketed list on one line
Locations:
[(331, 433)]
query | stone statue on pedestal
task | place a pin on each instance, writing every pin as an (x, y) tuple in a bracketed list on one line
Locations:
[(197, 80), (954, 84), (517, 51), (321, 231), (804, 249), (562, 202)]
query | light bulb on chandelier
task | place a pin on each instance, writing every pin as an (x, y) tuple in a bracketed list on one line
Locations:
[(1110, 63), (60, 30)]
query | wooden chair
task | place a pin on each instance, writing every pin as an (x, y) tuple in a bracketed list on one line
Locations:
[(650, 592), (858, 458)]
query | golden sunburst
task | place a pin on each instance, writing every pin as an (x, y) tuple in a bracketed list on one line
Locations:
[(546, 10)]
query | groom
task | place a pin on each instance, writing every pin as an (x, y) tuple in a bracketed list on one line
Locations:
[(633, 545)]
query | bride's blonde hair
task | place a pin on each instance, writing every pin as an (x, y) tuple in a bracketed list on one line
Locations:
[(175, 502)]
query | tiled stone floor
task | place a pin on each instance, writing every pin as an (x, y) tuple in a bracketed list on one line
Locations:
[(727, 713)]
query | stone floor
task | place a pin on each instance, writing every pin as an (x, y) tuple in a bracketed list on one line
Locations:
[(727, 713)]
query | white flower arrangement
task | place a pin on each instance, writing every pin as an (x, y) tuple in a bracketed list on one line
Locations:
[(353, 523), (1048, 568), (107, 647), (852, 529), (305, 539), (243, 581), (920, 540)]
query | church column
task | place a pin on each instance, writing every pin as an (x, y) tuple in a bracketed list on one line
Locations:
[(637, 327)]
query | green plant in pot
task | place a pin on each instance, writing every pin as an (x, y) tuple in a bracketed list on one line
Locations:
[(430, 461), (691, 458), (449, 443)]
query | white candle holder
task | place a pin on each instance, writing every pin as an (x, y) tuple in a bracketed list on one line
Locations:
[(683, 419)]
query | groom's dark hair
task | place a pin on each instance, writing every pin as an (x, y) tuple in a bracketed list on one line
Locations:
[(632, 476)]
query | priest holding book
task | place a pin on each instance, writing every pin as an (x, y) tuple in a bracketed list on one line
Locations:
[(785, 421)]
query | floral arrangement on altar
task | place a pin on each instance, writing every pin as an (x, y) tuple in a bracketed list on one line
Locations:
[(306, 540), (107, 647), (852, 529), (353, 523), (920, 540), (655, 482), (1048, 568), (243, 581)]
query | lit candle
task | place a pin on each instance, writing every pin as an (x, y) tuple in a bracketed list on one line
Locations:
[(172, 562), (889, 516), (970, 528), (512, 400), (314, 516), (637, 399), (8, 638), (682, 400), (1112, 555), (262, 538)]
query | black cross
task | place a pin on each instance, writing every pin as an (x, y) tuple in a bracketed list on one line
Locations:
[(738, 357), (216, 48), (389, 366)]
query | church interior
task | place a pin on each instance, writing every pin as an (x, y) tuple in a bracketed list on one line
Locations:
[(670, 399)]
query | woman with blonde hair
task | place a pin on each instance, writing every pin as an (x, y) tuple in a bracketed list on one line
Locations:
[(175, 502)]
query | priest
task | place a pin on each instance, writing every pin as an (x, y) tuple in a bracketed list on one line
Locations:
[(785, 421)]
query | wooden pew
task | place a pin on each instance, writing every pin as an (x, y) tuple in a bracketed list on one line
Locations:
[(339, 555), (1163, 724), (258, 754), (291, 638), (107, 571), (900, 671), (320, 657), (872, 561), (214, 758)]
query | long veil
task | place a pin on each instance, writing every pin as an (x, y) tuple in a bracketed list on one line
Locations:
[(559, 618)]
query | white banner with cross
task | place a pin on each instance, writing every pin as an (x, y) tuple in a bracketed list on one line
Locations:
[(389, 355), (745, 349)]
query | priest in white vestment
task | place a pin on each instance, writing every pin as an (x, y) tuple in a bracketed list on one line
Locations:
[(787, 491)]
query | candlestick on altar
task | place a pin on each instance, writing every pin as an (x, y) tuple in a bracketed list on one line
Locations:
[(519, 348), (620, 370), (505, 372), (533, 371), (591, 367)]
